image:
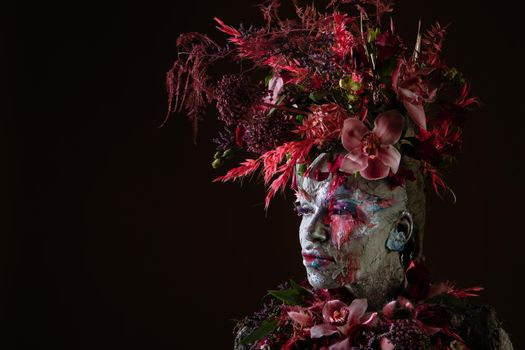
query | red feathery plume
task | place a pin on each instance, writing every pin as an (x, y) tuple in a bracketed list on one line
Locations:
[(247, 167)]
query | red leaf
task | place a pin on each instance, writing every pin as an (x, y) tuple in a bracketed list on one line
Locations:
[(227, 29), (247, 167)]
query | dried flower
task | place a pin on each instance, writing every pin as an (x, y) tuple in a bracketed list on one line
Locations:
[(265, 132), (237, 98), (404, 335)]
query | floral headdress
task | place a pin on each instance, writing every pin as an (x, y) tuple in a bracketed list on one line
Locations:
[(341, 82)]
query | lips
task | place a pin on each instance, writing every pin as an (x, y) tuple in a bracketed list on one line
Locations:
[(315, 259)]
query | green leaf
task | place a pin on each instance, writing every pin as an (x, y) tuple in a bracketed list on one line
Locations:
[(228, 153), (318, 96), (299, 118), (279, 101), (267, 80), (297, 286), (372, 34), (292, 296), (301, 169), (267, 327), (216, 164)]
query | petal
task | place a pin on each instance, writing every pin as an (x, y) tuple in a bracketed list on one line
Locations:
[(405, 303), (300, 318), (388, 127), (390, 157), (330, 307), (388, 309), (350, 166), (386, 344), (322, 330), (356, 154), (342, 345), (370, 319), (356, 310), (406, 94), (416, 113), (376, 170), (275, 85), (353, 132)]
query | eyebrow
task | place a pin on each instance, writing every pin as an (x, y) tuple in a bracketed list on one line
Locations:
[(302, 195), (369, 197)]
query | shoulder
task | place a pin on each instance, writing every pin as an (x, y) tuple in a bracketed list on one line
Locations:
[(480, 327)]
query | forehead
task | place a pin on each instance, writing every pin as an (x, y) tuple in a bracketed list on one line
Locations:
[(356, 190)]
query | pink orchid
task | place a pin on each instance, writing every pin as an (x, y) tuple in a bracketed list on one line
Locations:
[(386, 344), (413, 90), (340, 318), (372, 152), (275, 85)]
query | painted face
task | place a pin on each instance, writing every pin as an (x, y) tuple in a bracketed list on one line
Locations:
[(343, 234)]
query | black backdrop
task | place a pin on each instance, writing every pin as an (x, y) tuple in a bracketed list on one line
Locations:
[(119, 239)]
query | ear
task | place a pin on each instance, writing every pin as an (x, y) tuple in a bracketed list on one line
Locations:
[(400, 236), (405, 224)]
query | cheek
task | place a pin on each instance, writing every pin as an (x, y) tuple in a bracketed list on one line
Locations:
[(341, 227), (353, 267)]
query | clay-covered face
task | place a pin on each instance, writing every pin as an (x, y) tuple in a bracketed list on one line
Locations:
[(343, 234)]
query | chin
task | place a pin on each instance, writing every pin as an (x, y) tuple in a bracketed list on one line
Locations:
[(321, 281)]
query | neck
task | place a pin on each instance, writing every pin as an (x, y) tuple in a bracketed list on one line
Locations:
[(380, 287)]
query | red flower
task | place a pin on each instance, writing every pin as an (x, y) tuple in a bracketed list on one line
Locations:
[(301, 317), (344, 40), (372, 152), (323, 124), (413, 90)]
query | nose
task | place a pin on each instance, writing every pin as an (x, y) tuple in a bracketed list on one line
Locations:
[(317, 230)]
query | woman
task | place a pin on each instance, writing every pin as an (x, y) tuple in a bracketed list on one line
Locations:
[(354, 121)]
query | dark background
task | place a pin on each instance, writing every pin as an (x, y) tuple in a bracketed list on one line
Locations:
[(119, 240)]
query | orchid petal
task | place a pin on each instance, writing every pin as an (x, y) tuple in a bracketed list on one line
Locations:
[(371, 318), (352, 133), (356, 154), (322, 330), (406, 94), (330, 307), (350, 166), (386, 344), (376, 170), (388, 127), (390, 157), (275, 85), (405, 303), (356, 310), (388, 309), (416, 113)]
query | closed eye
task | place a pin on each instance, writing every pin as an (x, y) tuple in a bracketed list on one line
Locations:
[(303, 209), (344, 208)]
